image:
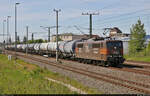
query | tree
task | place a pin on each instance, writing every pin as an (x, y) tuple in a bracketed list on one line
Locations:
[(32, 37), (30, 41), (136, 43), (59, 39), (45, 41), (18, 39), (148, 49), (39, 41), (36, 41)]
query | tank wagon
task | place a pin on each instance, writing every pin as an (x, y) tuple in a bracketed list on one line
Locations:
[(67, 48), (37, 48), (24, 47), (31, 48), (52, 48), (100, 52)]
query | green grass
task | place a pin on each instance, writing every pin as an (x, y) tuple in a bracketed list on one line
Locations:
[(138, 58), (143, 55), (25, 78)]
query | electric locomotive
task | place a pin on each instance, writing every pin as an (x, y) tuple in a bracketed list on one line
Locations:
[(103, 52)]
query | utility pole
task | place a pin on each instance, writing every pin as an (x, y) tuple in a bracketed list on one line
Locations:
[(16, 29), (48, 34), (8, 29), (3, 28), (57, 33), (27, 40), (90, 22), (3, 35), (32, 36)]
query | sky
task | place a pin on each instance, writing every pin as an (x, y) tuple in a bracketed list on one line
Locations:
[(35, 13)]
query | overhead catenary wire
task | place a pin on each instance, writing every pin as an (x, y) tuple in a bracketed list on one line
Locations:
[(123, 15)]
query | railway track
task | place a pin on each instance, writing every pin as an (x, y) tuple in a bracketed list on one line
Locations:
[(142, 72), (137, 71), (139, 64), (98, 76)]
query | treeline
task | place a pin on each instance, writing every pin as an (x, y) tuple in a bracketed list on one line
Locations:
[(137, 45), (30, 41)]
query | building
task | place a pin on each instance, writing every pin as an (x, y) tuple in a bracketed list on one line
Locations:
[(125, 38), (70, 36), (117, 32)]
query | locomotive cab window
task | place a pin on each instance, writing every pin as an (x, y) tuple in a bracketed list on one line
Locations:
[(90, 45), (101, 45), (114, 44), (96, 45), (80, 45)]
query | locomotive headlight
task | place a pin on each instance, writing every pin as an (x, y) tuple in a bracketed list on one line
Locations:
[(109, 55)]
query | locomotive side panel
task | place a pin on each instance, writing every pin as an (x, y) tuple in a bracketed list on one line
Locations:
[(92, 50)]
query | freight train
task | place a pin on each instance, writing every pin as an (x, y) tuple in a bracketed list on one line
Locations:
[(100, 52)]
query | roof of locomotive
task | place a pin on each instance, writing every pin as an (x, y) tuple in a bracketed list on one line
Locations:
[(99, 41)]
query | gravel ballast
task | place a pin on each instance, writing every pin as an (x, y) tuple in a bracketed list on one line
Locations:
[(102, 86)]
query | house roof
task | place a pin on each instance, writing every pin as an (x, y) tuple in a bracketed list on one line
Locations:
[(116, 29), (65, 34)]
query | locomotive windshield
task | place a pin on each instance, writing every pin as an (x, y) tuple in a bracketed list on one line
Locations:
[(114, 44), (114, 47)]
